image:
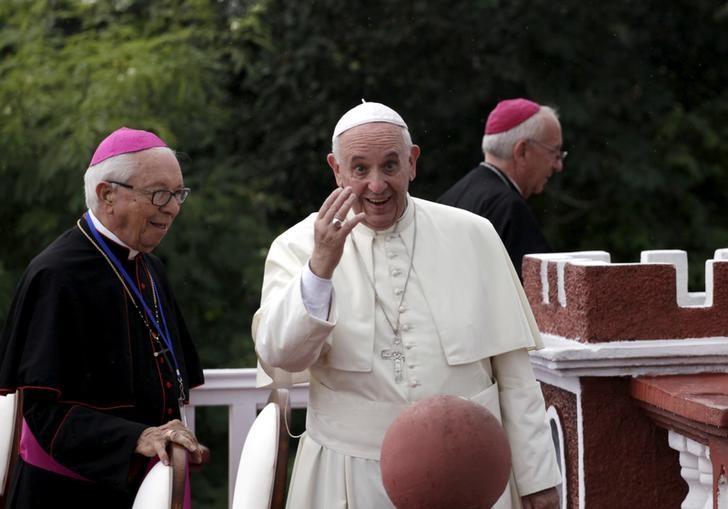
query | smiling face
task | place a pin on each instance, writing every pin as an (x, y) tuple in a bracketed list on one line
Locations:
[(130, 214), (376, 162)]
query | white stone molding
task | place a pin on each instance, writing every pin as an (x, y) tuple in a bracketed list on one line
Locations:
[(566, 358)]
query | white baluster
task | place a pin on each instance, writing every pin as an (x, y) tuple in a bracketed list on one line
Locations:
[(691, 453)]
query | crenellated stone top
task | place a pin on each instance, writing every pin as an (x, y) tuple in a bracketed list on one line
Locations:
[(583, 296)]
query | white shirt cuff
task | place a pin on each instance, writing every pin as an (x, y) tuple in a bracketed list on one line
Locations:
[(316, 293)]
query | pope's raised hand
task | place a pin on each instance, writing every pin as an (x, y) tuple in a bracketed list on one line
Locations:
[(331, 229)]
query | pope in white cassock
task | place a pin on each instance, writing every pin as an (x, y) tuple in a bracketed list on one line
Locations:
[(380, 299)]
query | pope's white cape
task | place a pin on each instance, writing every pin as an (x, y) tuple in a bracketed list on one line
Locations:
[(474, 295)]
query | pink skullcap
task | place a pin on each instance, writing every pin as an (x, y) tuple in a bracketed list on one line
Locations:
[(124, 141), (509, 113)]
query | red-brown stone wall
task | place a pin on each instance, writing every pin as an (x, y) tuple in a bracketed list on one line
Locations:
[(629, 462), (623, 302)]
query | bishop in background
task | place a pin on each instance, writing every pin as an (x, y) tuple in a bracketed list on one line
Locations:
[(522, 145), (380, 299)]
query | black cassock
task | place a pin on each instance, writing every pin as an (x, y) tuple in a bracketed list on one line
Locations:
[(78, 347), (487, 192)]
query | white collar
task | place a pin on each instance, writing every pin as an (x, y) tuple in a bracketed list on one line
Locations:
[(108, 233)]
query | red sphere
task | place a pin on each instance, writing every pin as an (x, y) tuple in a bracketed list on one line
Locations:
[(445, 452)]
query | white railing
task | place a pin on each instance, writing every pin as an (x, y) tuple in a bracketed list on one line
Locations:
[(696, 468), (235, 389)]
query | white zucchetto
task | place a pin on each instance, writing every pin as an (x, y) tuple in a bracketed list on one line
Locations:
[(366, 113)]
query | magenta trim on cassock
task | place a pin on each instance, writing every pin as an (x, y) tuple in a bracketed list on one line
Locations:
[(188, 492), (33, 454)]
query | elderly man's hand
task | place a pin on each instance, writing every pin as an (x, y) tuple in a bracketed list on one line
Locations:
[(200, 458), (330, 231), (153, 441), (545, 499)]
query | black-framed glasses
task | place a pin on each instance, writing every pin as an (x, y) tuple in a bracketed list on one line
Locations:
[(159, 197), (556, 151)]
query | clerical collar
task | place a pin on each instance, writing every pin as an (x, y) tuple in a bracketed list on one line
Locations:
[(502, 175), (103, 230)]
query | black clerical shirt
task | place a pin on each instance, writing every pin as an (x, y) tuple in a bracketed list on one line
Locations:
[(486, 191)]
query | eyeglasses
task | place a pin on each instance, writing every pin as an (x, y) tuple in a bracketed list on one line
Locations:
[(160, 197), (559, 154)]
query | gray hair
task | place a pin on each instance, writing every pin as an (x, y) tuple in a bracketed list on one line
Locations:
[(120, 168), (336, 143), (501, 144)]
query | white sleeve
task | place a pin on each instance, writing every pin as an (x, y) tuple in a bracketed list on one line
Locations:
[(316, 293), (523, 414), (291, 334)]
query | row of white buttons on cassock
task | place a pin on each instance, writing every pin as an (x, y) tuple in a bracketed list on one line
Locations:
[(405, 327)]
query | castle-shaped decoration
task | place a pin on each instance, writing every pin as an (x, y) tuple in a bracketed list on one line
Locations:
[(586, 298), (635, 377)]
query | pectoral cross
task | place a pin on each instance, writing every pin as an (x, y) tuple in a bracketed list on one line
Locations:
[(397, 358), (161, 350)]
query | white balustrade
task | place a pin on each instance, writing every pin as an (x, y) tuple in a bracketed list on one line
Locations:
[(697, 471), (235, 389)]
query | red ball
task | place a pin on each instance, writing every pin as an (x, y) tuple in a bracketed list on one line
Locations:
[(445, 452)]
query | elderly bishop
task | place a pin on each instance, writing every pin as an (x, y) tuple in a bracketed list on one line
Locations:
[(95, 341)]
